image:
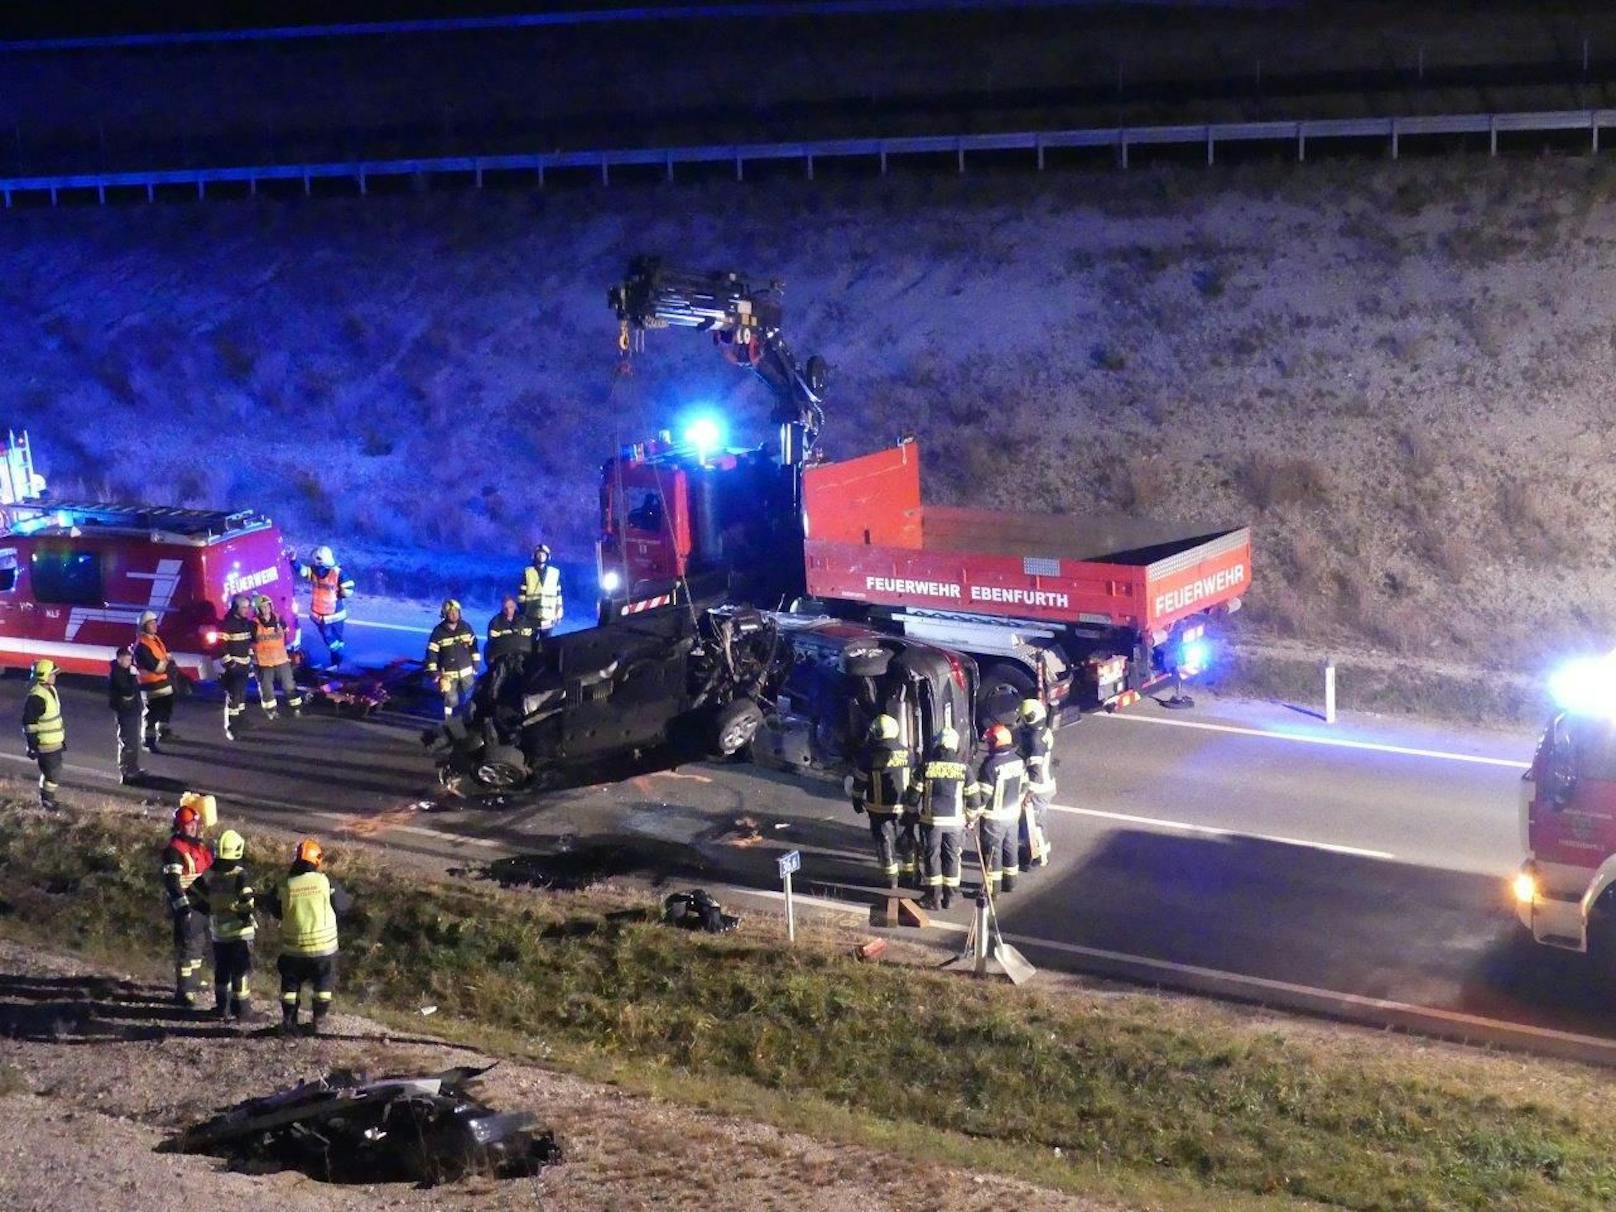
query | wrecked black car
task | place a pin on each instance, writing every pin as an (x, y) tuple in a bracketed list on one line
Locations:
[(685, 682)]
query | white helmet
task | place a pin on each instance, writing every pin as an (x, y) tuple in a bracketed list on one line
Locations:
[(322, 555), (147, 616)]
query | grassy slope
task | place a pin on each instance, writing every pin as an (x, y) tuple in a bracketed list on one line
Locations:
[(1398, 372), (1149, 1099)]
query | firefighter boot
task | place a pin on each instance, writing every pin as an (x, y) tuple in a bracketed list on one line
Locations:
[(1008, 884), (948, 896), (929, 901)]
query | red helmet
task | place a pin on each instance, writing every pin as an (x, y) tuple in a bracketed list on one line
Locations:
[(998, 737), (184, 817), (310, 852)]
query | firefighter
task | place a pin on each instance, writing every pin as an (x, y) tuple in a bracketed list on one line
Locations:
[(510, 634), (274, 665), (1035, 742), (330, 589), (878, 788), (185, 858), (995, 798), (540, 596), (939, 795), (452, 658), (235, 660), (225, 893), (307, 904), (155, 671), (44, 731), (123, 694)]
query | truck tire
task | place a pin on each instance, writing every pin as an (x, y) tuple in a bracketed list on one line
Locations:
[(735, 725), (501, 768), (999, 696)]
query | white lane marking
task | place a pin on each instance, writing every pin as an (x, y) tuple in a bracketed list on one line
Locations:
[(1455, 1017), (390, 626), (1338, 742), (1215, 831)]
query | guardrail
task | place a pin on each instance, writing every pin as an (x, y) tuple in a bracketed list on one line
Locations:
[(1037, 144)]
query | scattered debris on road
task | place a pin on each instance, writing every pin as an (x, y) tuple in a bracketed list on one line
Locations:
[(697, 910), (345, 1129)]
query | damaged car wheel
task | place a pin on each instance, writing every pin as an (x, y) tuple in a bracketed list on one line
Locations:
[(501, 767), (735, 726)]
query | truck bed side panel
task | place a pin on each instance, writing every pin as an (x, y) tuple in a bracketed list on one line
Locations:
[(1210, 574), (871, 499)]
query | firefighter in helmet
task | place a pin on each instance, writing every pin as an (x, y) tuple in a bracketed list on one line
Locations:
[(155, 671), (225, 893), (307, 904), (273, 661), (995, 799), (540, 595), (878, 787), (1035, 742), (329, 591), (235, 661), (452, 658), (43, 730), (185, 858), (939, 796)]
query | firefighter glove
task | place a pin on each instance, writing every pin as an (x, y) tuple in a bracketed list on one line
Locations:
[(33, 754), (179, 904)]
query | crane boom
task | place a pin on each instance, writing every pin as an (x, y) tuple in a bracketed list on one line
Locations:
[(746, 325)]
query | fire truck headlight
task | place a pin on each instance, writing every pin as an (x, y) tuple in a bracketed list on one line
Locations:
[(610, 581), (1524, 886), (705, 434)]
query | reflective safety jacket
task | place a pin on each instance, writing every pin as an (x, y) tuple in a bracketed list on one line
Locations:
[(512, 637), (225, 893), (329, 594), (236, 639), (269, 642), (943, 781), (307, 904), (1000, 780), (184, 859), (42, 725), (881, 780), (452, 649), (1036, 744), (151, 658), (540, 595)]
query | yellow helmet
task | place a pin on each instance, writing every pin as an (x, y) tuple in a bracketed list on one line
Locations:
[(1032, 712), (232, 845), (44, 669), (884, 728)]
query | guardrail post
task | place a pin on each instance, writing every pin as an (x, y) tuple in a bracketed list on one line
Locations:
[(1301, 144), (477, 173), (541, 172), (1593, 128), (1122, 150), (1394, 138), (809, 162), (667, 167), (151, 192), (8, 199), (959, 155), (1209, 147), (252, 187), (605, 172), (1492, 134), (1038, 145), (1329, 690), (101, 193), (53, 195), (306, 190), (202, 190), (740, 173), (883, 155), (362, 190)]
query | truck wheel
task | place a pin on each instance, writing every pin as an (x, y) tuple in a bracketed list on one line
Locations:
[(1000, 694), (501, 768), (735, 726)]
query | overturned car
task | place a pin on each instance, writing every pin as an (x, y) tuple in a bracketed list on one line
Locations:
[(663, 687)]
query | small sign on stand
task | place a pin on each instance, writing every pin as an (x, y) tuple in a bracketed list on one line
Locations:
[(789, 862)]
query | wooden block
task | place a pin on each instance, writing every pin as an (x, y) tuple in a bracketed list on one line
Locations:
[(870, 949), (911, 914)]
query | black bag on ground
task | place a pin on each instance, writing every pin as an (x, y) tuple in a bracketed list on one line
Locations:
[(696, 910)]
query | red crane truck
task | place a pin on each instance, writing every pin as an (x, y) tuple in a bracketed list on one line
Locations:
[(1086, 613)]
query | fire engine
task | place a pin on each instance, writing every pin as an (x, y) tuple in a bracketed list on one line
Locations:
[(76, 577), (1565, 891), (1084, 612)]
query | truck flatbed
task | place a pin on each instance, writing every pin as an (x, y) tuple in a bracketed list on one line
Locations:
[(870, 539)]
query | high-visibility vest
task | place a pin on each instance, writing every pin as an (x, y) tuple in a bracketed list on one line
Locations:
[(942, 796), (155, 682), (48, 733), (999, 785), (230, 905), (325, 601), (269, 643), (540, 596), (186, 858), (308, 922)]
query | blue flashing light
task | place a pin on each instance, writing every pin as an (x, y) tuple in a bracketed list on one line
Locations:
[(704, 433), (1586, 686), (1194, 655), (610, 581)]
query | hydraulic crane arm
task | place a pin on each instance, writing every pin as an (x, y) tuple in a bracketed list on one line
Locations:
[(746, 326)]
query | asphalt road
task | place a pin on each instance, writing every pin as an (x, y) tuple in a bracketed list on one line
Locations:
[(1241, 848)]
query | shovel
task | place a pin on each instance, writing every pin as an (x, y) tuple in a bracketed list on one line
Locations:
[(1015, 965)]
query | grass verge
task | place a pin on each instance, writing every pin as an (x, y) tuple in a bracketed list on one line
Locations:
[(1146, 1099)]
